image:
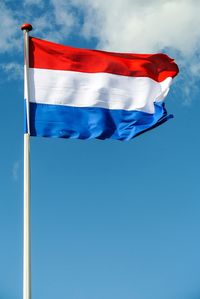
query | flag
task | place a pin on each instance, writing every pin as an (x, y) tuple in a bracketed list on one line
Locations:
[(82, 93)]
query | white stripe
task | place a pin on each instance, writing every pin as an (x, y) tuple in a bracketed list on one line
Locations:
[(96, 90)]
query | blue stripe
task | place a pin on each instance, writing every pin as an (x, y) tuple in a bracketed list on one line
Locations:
[(92, 122)]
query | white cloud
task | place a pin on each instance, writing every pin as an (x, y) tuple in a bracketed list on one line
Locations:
[(143, 26), (8, 37), (65, 17)]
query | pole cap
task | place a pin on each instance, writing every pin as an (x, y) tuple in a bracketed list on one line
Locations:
[(27, 27)]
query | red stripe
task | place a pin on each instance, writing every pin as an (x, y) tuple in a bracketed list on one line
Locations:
[(48, 55)]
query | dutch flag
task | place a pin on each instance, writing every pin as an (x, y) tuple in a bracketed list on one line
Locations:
[(80, 93)]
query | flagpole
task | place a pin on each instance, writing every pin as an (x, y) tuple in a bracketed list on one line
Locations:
[(26, 225)]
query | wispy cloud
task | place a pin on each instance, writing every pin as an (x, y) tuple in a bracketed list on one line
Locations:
[(34, 2), (15, 170), (9, 39), (13, 70)]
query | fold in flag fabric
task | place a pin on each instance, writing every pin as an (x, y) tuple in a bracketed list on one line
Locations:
[(80, 93)]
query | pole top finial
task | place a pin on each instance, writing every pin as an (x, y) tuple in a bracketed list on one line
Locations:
[(27, 27)]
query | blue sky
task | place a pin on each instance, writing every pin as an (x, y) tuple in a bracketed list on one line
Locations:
[(109, 219)]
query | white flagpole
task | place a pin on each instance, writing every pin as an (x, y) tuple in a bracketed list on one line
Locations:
[(26, 226)]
